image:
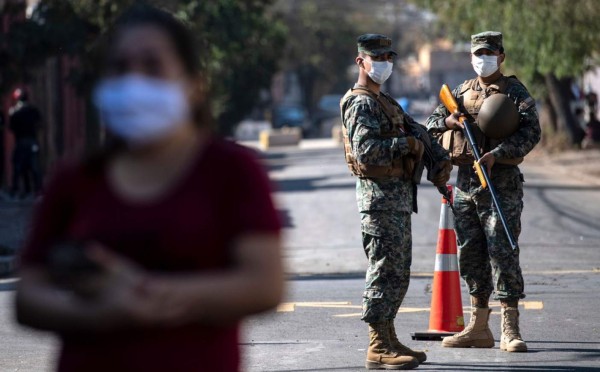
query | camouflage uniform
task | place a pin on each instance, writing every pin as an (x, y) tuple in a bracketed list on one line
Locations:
[(385, 205), (486, 261)]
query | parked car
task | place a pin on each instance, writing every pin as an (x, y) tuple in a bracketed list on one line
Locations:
[(405, 103), (329, 105), (289, 115), (328, 108)]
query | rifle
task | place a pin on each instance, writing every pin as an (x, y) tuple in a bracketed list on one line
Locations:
[(448, 100)]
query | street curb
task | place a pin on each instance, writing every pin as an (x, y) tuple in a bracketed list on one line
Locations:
[(428, 275), (573, 165), (341, 276), (8, 265)]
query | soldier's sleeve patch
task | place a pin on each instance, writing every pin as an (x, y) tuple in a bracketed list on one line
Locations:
[(526, 104)]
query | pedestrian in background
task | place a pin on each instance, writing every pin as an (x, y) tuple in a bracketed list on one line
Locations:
[(592, 134), (486, 261), (592, 125), (146, 257), (383, 150), (25, 122)]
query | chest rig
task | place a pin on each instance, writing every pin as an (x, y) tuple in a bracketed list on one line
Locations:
[(471, 98), (396, 126)]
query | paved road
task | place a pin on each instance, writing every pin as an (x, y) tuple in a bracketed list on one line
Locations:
[(323, 332), (561, 219), (318, 328)]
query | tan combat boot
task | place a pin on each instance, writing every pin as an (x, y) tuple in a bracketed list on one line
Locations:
[(381, 355), (511, 337), (476, 333), (402, 349)]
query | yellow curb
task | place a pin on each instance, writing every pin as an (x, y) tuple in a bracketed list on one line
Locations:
[(291, 306)]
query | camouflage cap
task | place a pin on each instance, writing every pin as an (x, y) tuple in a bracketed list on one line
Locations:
[(374, 44), (491, 40)]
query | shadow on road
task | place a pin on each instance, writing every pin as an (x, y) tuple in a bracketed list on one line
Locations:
[(568, 211), (533, 186), (561, 187), (498, 367), (310, 184), (566, 342), (285, 218), (340, 276), (347, 368)]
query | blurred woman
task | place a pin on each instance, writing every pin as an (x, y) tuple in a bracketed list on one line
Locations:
[(173, 235)]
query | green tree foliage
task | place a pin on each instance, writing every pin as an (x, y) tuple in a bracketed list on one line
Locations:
[(547, 42), (321, 45), (238, 43), (243, 42)]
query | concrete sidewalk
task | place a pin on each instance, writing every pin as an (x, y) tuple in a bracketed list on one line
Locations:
[(577, 165), (14, 220)]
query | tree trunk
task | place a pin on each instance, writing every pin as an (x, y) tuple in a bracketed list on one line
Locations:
[(559, 94), (547, 121), (306, 74)]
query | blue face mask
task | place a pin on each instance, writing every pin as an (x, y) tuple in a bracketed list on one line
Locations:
[(141, 110)]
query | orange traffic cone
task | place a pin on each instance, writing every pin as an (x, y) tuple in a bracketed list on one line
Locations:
[(446, 317)]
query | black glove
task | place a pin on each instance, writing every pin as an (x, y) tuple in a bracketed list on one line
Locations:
[(415, 147), (443, 175)]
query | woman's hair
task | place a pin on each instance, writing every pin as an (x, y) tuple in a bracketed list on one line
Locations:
[(141, 14), (178, 34)]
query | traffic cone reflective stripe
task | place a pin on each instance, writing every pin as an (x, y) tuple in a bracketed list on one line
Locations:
[(445, 253), (446, 316), (445, 262)]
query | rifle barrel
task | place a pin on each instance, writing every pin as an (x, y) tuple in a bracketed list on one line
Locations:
[(509, 235)]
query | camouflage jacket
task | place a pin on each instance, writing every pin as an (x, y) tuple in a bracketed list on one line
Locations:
[(519, 143), (364, 119)]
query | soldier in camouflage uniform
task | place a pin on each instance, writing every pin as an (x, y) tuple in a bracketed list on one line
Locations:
[(486, 261), (384, 147)]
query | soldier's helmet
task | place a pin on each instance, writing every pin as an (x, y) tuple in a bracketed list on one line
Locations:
[(498, 117), (491, 40), (374, 44)]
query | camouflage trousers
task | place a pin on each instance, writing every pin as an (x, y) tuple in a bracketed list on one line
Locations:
[(387, 242), (487, 263)]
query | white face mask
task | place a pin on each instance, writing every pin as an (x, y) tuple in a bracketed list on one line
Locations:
[(380, 71), (484, 66), (139, 109)]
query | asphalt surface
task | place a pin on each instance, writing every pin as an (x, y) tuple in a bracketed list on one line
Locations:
[(318, 327), (323, 331)]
